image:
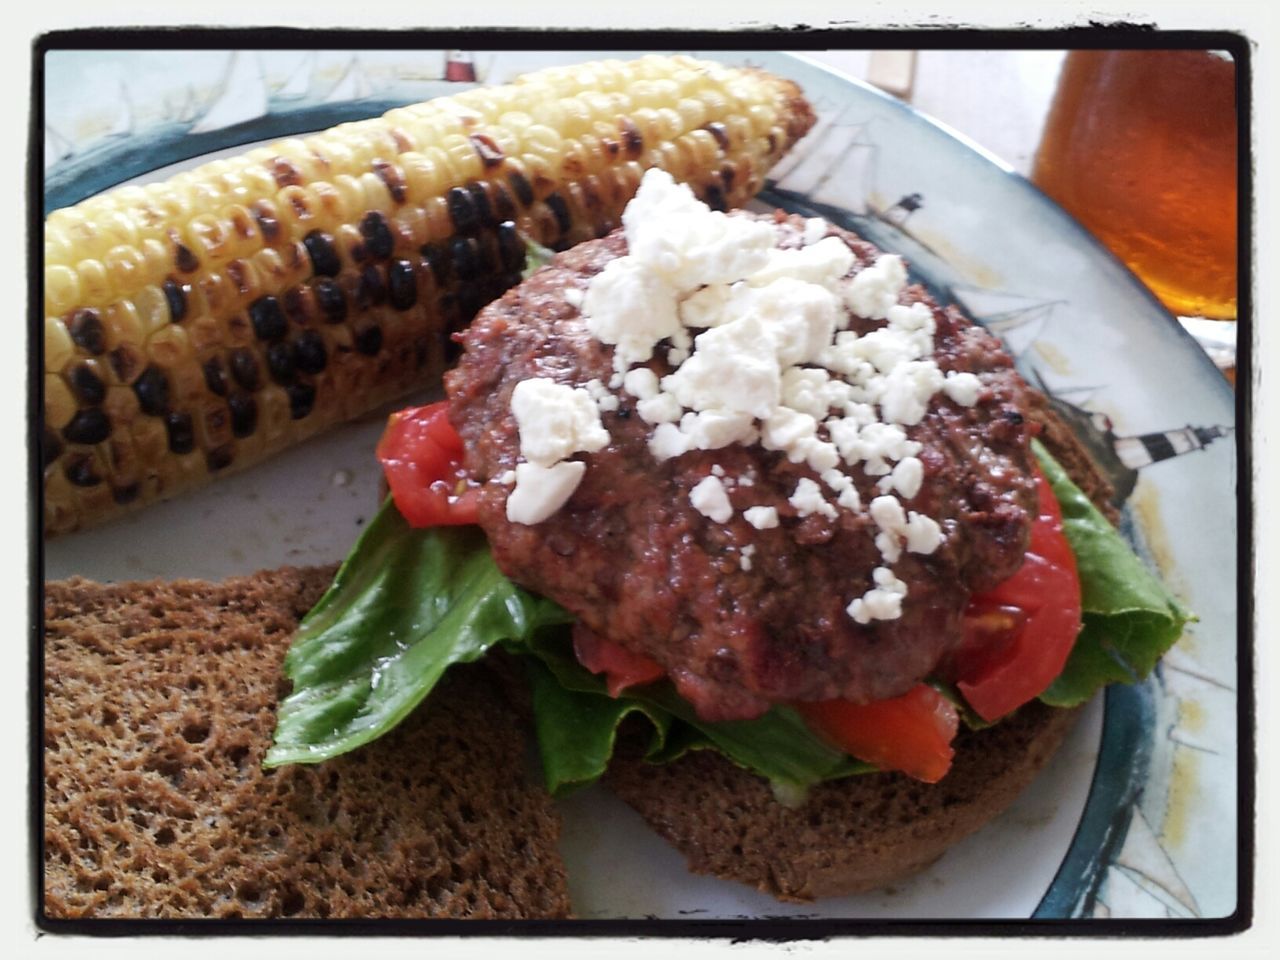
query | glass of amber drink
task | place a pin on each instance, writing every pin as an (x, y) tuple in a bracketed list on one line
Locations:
[(1140, 147)]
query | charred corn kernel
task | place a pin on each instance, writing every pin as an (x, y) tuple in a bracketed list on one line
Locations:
[(197, 325), (243, 231)]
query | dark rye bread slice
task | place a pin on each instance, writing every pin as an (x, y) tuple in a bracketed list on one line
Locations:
[(159, 705), (849, 835), (864, 832)]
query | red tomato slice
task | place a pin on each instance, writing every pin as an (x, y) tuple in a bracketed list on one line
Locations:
[(622, 668), (911, 733), (421, 457), (1019, 635)]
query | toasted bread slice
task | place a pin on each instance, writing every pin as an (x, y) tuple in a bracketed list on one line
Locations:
[(863, 832), (849, 835), (159, 706)]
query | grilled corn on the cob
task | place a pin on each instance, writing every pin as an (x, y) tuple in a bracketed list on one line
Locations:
[(195, 326)]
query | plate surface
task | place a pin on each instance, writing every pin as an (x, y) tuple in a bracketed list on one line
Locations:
[(1136, 815)]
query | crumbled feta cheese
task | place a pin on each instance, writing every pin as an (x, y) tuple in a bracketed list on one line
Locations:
[(906, 478), (808, 499), (908, 390), (911, 318), (605, 400), (711, 500), (890, 547), (807, 390), (717, 470), (632, 309), (574, 296), (824, 263), (815, 228), (882, 602), (799, 317), (715, 429), (540, 491), (876, 288), (506, 478), (674, 235), (713, 305), (785, 428), (887, 512), (849, 498), (667, 442), (762, 518), (963, 388), (923, 533), (836, 480), (818, 454), (745, 555), (660, 408), (733, 368), (641, 383), (555, 421)]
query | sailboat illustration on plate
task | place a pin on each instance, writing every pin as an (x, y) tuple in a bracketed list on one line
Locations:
[(57, 147), (241, 96), (124, 123), (354, 84), (298, 84)]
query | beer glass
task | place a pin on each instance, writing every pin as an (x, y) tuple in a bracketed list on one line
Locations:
[(1140, 147)]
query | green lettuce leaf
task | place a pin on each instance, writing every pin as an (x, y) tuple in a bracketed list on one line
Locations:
[(405, 605), (581, 720), (1130, 619), (577, 731), (535, 256)]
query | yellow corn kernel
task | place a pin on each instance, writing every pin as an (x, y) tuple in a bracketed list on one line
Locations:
[(204, 333), (59, 403), (273, 412), (125, 265), (242, 277), (169, 347), (61, 288), (122, 323), (423, 178), (121, 406), (95, 283), (463, 159), (58, 347), (377, 196), (439, 223), (208, 237), (153, 309)]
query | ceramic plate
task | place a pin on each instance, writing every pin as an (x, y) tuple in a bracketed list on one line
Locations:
[(1136, 815)]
